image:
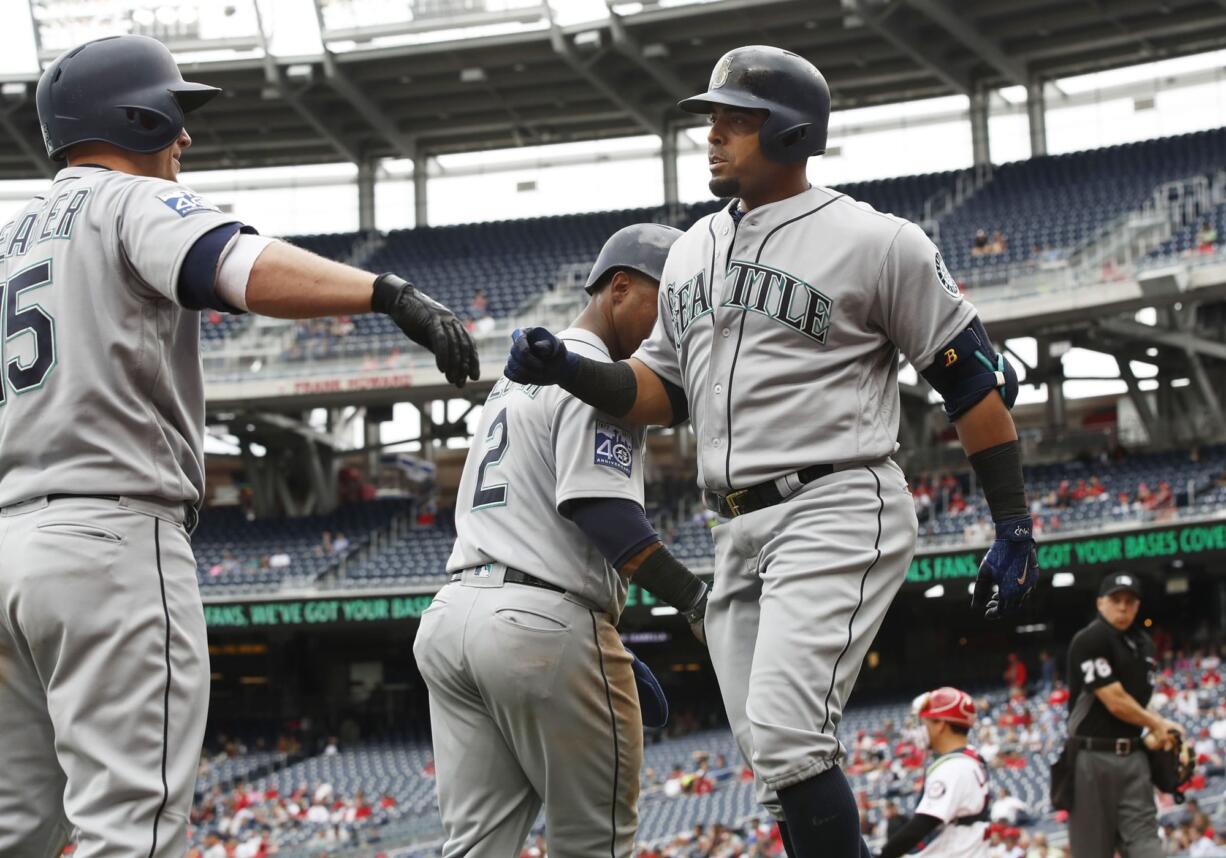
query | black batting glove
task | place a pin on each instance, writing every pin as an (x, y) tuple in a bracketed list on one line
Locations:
[(428, 323)]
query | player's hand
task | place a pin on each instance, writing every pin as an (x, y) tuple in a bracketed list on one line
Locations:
[(1009, 571), (428, 323), (538, 357)]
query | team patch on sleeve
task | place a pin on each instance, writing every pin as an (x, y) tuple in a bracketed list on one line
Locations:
[(613, 448), (947, 279), (183, 202)]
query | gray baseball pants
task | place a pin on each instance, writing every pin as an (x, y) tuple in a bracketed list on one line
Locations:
[(532, 700), (801, 589), (104, 678), (1113, 807)]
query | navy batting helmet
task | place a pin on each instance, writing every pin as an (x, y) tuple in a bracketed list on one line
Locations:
[(640, 246), (123, 90), (786, 85)]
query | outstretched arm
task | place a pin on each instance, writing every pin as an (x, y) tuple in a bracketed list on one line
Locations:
[(274, 278), (629, 390)]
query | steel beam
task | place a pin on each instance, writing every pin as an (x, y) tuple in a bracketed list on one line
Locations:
[(879, 22), (630, 48), (983, 46), (1184, 341), (563, 48)]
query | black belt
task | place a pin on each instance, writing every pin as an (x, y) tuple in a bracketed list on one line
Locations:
[(1119, 747), (760, 496), (191, 515), (514, 576)]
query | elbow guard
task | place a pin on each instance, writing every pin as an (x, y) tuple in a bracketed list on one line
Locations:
[(968, 369)]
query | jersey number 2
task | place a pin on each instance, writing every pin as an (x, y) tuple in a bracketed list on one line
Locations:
[(495, 495), (32, 320)]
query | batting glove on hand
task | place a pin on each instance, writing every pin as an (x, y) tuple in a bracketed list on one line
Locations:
[(428, 323), (538, 357), (1009, 571)]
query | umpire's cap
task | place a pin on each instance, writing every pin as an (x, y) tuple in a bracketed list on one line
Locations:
[(787, 85), (946, 704), (1120, 581), (122, 90), (640, 246)]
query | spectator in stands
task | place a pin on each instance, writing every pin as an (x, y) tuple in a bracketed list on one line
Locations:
[(1206, 237), (1015, 673), (1040, 849), (1047, 671), (1010, 809), (999, 243), (213, 847), (340, 544), (980, 246)]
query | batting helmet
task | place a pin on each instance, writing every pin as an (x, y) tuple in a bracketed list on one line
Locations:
[(640, 246), (123, 90), (790, 87), (947, 704)]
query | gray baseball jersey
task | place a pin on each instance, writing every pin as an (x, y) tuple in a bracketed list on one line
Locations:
[(784, 330), (102, 638), (535, 449), (532, 695), (103, 390)]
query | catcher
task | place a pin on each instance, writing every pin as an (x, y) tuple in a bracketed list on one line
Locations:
[(951, 819)]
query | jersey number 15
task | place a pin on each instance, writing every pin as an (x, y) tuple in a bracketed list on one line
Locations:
[(23, 376)]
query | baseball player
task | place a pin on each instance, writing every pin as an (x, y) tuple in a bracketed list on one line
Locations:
[(532, 695), (781, 320), (102, 275), (952, 818)]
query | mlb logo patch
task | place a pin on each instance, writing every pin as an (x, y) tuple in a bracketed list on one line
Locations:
[(183, 202), (613, 449)]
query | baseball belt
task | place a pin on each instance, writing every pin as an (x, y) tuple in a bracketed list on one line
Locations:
[(515, 576), (764, 494), (191, 515), (1119, 747)]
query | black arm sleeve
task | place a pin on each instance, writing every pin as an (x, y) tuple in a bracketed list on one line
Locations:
[(616, 526), (608, 387), (909, 836), (999, 470), (612, 388)]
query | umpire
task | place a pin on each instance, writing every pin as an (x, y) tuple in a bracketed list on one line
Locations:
[(1111, 678)]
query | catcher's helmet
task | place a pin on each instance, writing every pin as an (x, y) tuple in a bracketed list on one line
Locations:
[(640, 246), (946, 704), (789, 86), (123, 90)]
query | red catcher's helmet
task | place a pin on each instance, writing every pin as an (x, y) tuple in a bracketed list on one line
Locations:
[(947, 704)]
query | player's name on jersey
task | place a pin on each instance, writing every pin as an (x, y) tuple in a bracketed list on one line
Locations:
[(54, 221), (1056, 555)]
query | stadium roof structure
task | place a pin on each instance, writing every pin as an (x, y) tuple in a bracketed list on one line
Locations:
[(622, 75)]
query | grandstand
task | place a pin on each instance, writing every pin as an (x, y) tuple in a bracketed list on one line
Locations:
[(696, 778)]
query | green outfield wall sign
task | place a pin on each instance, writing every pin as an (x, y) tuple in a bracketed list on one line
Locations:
[(349, 610), (1086, 552)]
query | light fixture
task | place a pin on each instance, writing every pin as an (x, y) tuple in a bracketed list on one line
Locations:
[(663, 611), (1062, 579), (935, 592)]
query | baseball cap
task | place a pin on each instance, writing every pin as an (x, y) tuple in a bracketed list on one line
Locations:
[(1120, 581)]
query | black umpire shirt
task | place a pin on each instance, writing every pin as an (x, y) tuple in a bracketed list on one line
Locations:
[(1100, 655)]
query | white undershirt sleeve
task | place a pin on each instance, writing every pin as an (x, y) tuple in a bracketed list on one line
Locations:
[(234, 270)]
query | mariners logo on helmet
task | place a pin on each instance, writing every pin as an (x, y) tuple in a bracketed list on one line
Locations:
[(719, 77)]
